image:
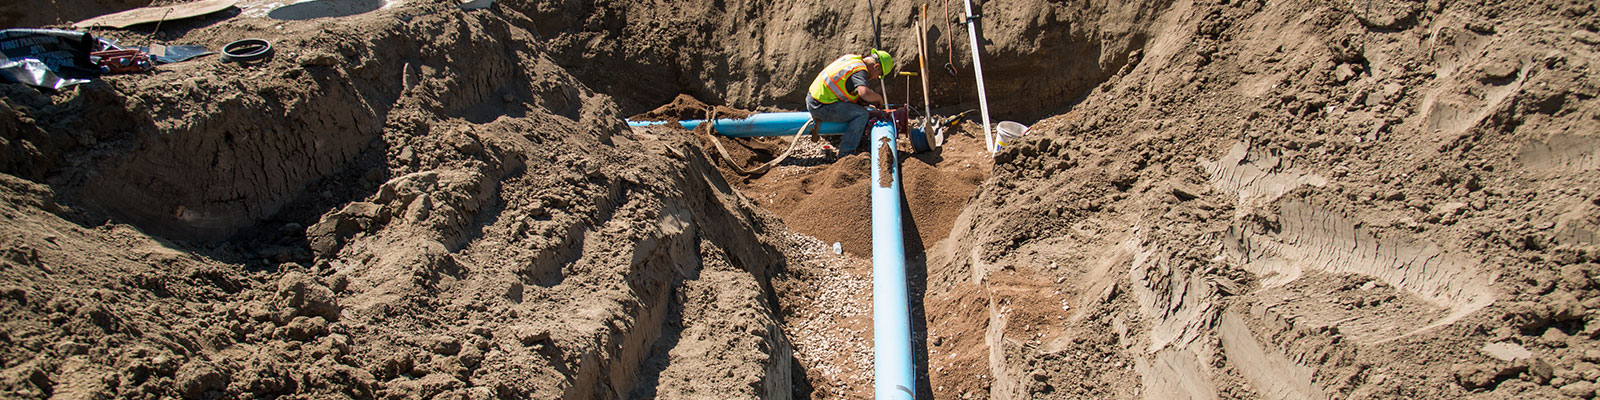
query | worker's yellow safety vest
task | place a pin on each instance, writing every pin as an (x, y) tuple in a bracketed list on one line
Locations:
[(832, 85)]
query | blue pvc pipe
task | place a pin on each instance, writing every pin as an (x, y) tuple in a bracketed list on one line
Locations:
[(894, 377), (758, 125)]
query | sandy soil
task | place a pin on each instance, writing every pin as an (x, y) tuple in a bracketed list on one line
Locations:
[(1229, 199), (1293, 200)]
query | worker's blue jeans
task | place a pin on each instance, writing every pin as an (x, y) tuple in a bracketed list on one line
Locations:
[(843, 111)]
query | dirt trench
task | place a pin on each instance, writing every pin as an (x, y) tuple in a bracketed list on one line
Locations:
[(1219, 200)]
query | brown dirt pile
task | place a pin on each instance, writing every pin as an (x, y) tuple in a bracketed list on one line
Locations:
[(827, 196), (685, 107)]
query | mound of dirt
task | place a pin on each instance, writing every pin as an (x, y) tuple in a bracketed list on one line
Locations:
[(685, 107), (826, 196)]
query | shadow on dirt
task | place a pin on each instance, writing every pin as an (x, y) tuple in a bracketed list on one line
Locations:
[(917, 287), (325, 9)]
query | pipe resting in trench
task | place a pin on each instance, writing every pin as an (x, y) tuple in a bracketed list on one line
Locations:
[(893, 373), (758, 125), (893, 370)]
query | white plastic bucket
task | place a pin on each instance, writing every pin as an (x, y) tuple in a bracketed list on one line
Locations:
[(1008, 132)]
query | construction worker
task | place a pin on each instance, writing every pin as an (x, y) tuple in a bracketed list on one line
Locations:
[(841, 89)]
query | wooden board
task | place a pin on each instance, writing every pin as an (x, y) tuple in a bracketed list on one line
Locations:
[(153, 14)]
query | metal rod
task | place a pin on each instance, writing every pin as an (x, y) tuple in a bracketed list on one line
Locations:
[(150, 39), (877, 43)]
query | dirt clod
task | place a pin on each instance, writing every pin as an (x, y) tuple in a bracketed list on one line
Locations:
[(299, 296), (196, 378), (1579, 389)]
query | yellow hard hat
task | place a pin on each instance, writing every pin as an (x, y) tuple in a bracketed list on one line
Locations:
[(884, 60)]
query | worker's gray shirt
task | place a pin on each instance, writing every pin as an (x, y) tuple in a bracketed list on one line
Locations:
[(856, 80)]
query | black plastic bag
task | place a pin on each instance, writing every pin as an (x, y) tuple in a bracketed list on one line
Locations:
[(47, 58)]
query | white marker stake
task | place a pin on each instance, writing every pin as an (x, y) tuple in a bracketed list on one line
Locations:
[(977, 68)]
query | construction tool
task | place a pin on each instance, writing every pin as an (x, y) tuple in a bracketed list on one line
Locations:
[(977, 69), (943, 126), (919, 137), (908, 76), (951, 121), (900, 115), (877, 43), (121, 61), (950, 42), (922, 65)]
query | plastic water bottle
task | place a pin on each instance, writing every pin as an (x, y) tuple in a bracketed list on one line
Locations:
[(837, 249)]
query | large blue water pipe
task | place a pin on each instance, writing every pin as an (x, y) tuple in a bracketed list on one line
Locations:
[(779, 124), (894, 376), (758, 125)]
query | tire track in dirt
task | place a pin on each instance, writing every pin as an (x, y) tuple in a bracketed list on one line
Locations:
[(1562, 152), (1273, 375), (1256, 176), (1180, 302), (1311, 238)]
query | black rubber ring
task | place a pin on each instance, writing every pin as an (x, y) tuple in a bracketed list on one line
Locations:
[(246, 50)]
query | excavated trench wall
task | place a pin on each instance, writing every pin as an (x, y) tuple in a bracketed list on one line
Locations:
[(1039, 56)]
